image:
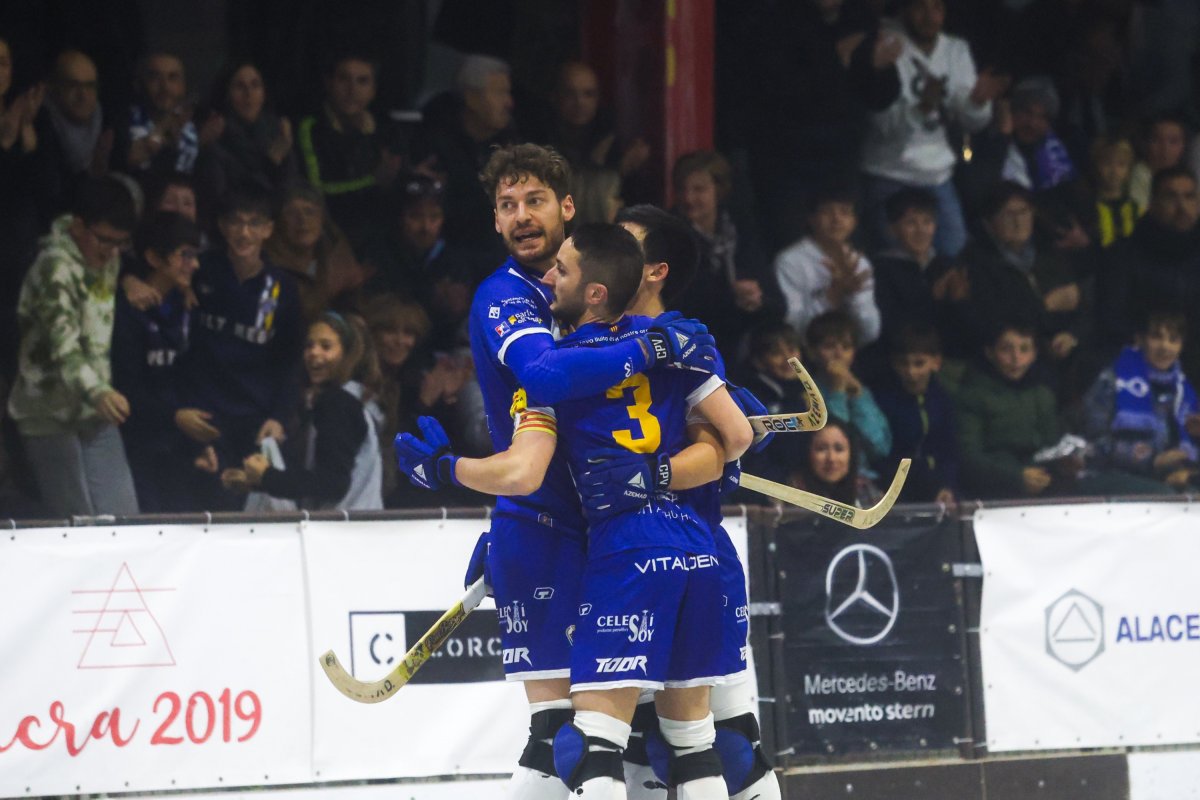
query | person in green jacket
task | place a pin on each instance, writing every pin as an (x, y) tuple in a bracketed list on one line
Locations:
[(1006, 415), (63, 401)]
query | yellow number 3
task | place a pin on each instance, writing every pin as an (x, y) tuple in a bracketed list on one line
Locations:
[(639, 410)]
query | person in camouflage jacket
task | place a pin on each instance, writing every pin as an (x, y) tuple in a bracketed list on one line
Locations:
[(62, 401)]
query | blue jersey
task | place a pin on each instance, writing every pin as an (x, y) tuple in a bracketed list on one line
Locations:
[(645, 413), (511, 305)]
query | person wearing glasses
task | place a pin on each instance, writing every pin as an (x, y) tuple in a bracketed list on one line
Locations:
[(242, 367), (63, 401), (148, 346)]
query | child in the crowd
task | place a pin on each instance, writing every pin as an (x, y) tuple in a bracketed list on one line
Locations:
[(63, 402), (147, 347), (832, 341), (913, 282), (1116, 212), (334, 463), (1141, 413), (1006, 416), (920, 414), (823, 271), (773, 381), (242, 368), (826, 463)]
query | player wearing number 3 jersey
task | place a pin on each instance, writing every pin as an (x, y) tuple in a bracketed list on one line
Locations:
[(537, 535)]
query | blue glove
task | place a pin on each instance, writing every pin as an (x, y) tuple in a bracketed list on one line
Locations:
[(682, 343), (751, 406), (731, 478), (426, 459), (621, 482), (480, 565)]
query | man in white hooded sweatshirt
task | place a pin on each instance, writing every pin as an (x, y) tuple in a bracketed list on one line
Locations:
[(907, 145)]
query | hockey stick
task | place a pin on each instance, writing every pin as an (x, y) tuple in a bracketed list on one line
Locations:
[(847, 515), (811, 420), (418, 654)]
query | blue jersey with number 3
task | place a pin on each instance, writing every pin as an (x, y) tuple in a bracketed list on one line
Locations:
[(646, 413)]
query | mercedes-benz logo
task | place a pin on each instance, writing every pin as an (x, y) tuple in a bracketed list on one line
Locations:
[(864, 615)]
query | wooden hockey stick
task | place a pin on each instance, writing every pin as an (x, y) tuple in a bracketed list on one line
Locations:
[(847, 515), (811, 420), (418, 654)]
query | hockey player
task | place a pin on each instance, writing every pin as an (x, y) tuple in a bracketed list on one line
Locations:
[(670, 256), (650, 556), (537, 537)]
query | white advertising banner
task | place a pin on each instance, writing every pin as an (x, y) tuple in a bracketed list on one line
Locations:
[(1090, 625), (375, 588), (158, 658), (150, 657)]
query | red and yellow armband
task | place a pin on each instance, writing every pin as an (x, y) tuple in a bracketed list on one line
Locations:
[(526, 419)]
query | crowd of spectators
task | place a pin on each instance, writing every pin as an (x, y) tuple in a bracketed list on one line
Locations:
[(988, 256)]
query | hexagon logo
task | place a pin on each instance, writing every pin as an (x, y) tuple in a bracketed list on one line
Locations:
[(1074, 630)]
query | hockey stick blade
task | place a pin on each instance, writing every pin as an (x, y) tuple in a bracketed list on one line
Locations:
[(385, 687), (861, 518), (811, 420)]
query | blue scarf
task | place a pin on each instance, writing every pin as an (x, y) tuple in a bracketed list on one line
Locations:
[(1053, 163), (1135, 400)]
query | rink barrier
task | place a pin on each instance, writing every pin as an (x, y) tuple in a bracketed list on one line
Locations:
[(934, 554)]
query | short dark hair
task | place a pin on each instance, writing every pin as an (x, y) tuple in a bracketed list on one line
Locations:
[(516, 162), (1171, 320), (772, 335), (338, 57), (1170, 174), (158, 183), (670, 240), (246, 200), (1020, 324), (1001, 194), (611, 256), (916, 338), (105, 200), (164, 232), (909, 199), (831, 324), (838, 190), (1167, 118)]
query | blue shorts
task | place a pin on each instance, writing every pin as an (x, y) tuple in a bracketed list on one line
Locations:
[(735, 622), (536, 576), (646, 619)]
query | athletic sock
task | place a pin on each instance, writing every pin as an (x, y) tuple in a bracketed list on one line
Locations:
[(528, 783), (604, 733), (694, 738), (640, 781)]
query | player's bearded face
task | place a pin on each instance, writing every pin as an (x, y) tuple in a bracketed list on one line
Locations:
[(566, 279), (531, 219)]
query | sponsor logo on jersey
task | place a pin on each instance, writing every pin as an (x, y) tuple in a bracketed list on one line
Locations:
[(635, 627), (623, 664), (585, 609), (512, 617), (515, 655), (494, 312), (502, 329), (672, 563), (543, 593)]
